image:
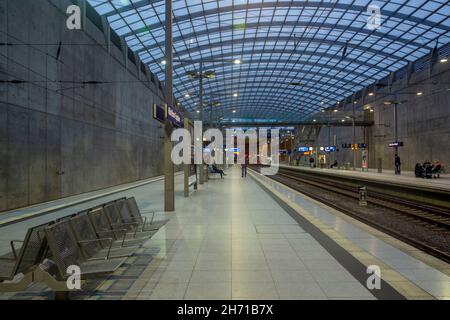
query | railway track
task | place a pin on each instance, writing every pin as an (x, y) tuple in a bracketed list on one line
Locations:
[(422, 226)]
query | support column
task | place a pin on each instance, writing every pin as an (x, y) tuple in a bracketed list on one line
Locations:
[(354, 149), (317, 132), (202, 166), (396, 129), (169, 178), (186, 166)]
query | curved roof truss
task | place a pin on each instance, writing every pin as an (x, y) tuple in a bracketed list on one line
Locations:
[(327, 46)]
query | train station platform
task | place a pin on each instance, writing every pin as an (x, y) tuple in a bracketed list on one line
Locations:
[(407, 178), (254, 238)]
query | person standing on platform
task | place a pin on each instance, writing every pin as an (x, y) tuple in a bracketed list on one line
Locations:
[(311, 162), (397, 164), (244, 167)]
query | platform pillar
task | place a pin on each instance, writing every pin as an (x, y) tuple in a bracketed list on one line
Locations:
[(186, 166), (169, 178), (202, 171)]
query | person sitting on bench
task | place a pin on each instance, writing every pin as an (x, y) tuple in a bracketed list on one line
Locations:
[(436, 170), (219, 171), (335, 164)]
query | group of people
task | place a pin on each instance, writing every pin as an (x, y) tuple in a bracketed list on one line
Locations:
[(428, 170)]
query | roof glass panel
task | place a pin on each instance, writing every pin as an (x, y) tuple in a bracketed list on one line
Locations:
[(327, 46)]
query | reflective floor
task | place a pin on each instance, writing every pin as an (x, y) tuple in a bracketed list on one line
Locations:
[(231, 240)]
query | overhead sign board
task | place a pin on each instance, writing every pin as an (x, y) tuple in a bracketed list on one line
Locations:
[(303, 149), (355, 146), (159, 113), (396, 144), (173, 116)]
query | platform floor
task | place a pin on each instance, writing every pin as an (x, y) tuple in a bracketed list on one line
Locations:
[(231, 240), (406, 178)]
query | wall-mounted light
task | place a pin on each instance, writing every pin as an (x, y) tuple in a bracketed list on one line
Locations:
[(420, 93)]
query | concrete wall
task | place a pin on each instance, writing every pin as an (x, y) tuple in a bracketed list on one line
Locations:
[(423, 121), (99, 135)]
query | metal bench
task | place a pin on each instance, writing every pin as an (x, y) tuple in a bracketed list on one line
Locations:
[(103, 228), (30, 253), (192, 181), (84, 232), (20, 270), (66, 252), (116, 220), (138, 214), (124, 211), (212, 172)]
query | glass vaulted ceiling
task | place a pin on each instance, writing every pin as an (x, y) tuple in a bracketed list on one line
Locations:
[(279, 42)]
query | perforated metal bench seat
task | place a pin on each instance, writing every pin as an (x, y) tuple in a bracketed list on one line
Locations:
[(103, 228), (138, 214), (66, 252), (98, 267), (118, 252), (96, 247), (158, 224), (25, 258), (7, 263)]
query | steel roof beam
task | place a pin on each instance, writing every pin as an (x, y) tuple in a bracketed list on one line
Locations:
[(256, 25), (277, 39), (295, 123), (279, 4)]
